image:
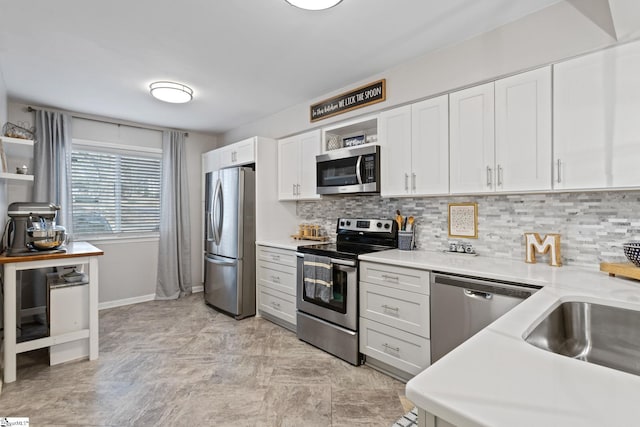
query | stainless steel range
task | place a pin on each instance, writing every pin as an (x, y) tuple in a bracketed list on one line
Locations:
[(327, 284)]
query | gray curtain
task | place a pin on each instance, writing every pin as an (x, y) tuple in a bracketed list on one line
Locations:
[(174, 260), (52, 163), (52, 184)]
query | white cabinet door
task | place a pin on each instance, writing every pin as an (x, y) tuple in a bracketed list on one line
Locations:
[(210, 161), (523, 131), (244, 152), (472, 140), (297, 166), (237, 154), (430, 146), (288, 155), (394, 134), (310, 146), (597, 120)]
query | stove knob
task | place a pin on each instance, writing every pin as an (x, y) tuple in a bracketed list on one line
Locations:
[(348, 222), (341, 223), (379, 225), (386, 225)]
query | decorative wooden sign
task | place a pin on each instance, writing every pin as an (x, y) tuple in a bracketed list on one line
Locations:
[(361, 97), (463, 220), (534, 243)]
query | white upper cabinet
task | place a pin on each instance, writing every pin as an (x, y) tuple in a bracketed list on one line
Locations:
[(471, 146), (501, 135), (597, 120), (297, 166), (238, 154), (394, 135), (415, 149), (430, 146), (210, 161), (523, 131)]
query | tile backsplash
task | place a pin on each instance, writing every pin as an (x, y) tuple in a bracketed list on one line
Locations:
[(589, 223)]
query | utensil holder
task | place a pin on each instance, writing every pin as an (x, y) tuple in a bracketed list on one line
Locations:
[(406, 240)]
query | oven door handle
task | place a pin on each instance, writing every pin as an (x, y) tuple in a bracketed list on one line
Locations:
[(337, 261)]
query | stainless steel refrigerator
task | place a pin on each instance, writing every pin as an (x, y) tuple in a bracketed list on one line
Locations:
[(229, 256)]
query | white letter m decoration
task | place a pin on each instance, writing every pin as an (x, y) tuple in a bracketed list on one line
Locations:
[(534, 243)]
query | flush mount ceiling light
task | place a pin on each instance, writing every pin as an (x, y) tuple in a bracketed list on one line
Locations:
[(313, 4), (176, 93)]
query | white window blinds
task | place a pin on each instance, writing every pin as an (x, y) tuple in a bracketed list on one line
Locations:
[(115, 192)]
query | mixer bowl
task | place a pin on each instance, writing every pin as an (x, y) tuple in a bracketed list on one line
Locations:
[(46, 239)]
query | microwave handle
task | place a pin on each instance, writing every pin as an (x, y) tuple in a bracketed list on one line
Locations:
[(358, 172)]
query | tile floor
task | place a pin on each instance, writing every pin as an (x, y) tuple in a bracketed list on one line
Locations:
[(182, 363)]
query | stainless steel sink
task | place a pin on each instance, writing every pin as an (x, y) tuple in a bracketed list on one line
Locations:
[(600, 334)]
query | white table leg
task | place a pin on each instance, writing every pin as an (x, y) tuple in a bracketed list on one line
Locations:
[(93, 308), (9, 323)]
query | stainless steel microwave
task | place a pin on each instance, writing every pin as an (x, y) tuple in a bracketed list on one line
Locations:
[(352, 170)]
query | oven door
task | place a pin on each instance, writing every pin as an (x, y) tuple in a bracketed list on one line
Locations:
[(342, 305), (350, 171)]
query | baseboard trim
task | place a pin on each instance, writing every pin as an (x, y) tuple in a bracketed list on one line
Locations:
[(126, 301), (137, 300)]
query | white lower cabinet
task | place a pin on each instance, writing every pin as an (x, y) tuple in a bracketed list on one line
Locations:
[(394, 318), (276, 285)]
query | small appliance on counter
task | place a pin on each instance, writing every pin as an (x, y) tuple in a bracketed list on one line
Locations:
[(32, 229)]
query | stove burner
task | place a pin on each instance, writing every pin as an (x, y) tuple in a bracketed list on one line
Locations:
[(357, 237)]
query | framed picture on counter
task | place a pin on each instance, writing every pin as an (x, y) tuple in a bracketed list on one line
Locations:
[(463, 220)]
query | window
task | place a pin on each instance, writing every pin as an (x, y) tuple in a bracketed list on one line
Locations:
[(115, 191)]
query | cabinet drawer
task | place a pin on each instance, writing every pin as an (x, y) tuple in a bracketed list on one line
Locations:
[(404, 310), (278, 256), (277, 304), (277, 276), (407, 279), (402, 350)]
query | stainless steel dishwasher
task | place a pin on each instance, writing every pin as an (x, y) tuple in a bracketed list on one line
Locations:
[(461, 306)]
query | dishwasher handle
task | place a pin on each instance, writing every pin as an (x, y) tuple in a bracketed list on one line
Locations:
[(484, 289), (478, 294)]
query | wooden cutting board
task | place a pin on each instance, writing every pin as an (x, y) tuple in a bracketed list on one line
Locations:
[(625, 269)]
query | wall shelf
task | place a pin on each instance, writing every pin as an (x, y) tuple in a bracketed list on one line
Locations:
[(17, 152), (16, 176)]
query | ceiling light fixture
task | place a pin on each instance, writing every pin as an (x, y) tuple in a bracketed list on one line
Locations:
[(313, 4), (176, 93)]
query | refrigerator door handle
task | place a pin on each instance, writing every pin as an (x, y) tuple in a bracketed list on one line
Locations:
[(219, 261), (210, 226), (216, 217)]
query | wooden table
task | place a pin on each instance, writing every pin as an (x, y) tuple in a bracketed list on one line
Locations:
[(78, 253)]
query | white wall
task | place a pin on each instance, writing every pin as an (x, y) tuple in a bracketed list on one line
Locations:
[(129, 267), (550, 35)]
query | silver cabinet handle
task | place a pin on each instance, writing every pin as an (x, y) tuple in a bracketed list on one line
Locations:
[(275, 279), (559, 171), (389, 308), (294, 189), (391, 278), (275, 304), (298, 189), (406, 182), (489, 170), (388, 347), (413, 181), (499, 175), (275, 257)]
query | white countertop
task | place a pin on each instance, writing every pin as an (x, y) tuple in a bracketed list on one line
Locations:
[(497, 379), (287, 243)]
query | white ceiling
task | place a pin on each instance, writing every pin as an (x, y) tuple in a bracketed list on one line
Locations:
[(244, 59)]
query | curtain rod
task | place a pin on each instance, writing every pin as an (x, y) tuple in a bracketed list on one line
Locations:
[(112, 122)]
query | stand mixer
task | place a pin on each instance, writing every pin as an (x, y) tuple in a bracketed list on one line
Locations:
[(32, 229)]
